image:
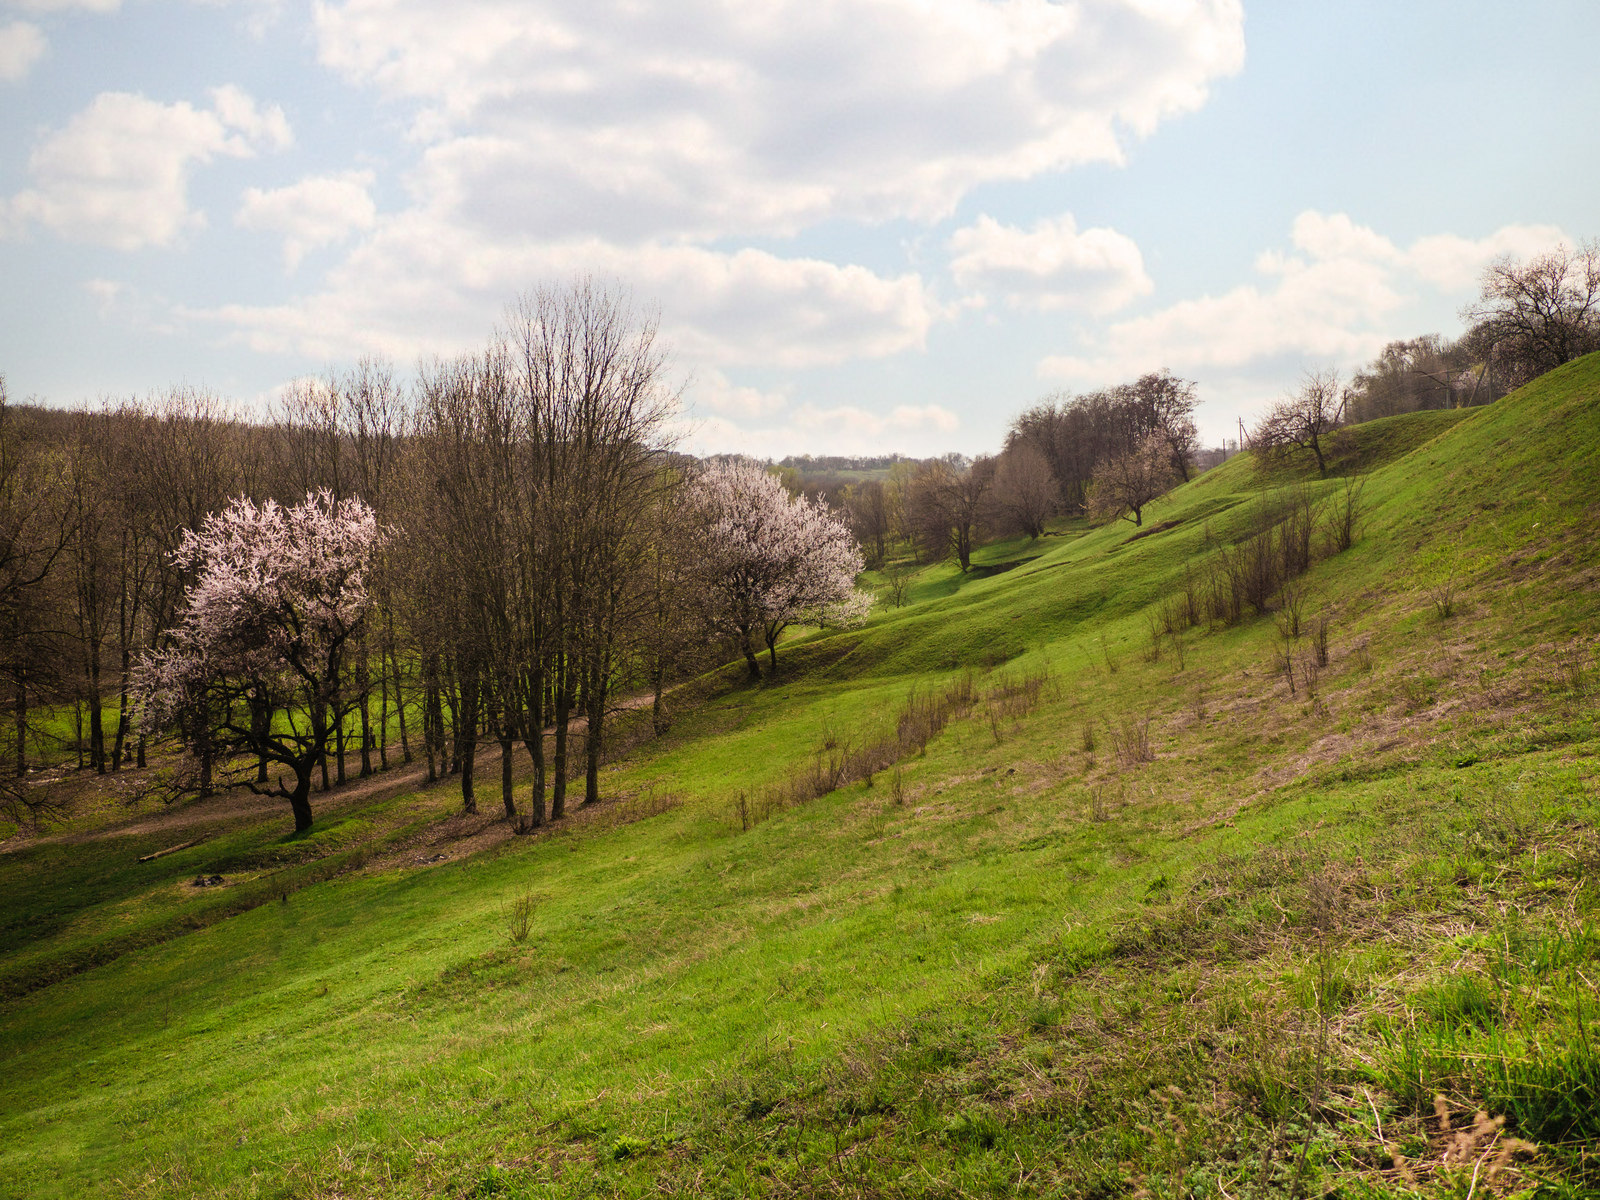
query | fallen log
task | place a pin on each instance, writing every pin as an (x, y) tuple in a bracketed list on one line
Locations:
[(171, 850)]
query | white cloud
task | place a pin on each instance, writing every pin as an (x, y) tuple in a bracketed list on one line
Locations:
[(421, 285), (21, 45), (703, 119), (318, 211), (718, 394), (1333, 298), (118, 173), (1451, 263), (1052, 266), (47, 6), (841, 429)]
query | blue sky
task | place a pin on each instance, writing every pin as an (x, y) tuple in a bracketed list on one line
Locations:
[(867, 225)]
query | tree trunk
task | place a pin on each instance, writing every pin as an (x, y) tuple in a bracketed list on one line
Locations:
[(467, 741), (261, 727), (338, 736), (533, 739), (659, 721), (751, 660), (300, 799), (319, 731), (364, 682), (120, 745), (399, 697), (558, 789), (21, 716), (97, 732), (507, 745), (594, 738), (383, 714)]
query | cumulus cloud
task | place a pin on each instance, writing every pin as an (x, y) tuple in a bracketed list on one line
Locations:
[(1453, 263), (21, 45), (117, 174), (715, 393), (315, 212), (1332, 297), (1051, 266), (702, 119), (423, 285)]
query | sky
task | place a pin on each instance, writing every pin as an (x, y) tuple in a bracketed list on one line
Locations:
[(864, 226)]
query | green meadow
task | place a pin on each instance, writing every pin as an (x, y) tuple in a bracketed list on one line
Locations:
[(1297, 902)]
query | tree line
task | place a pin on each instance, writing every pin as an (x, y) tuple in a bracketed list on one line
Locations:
[(1529, 317), (489, 554)]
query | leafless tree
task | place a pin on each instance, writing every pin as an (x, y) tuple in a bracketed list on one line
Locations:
[(867, 504), (1024, 494), (35, 529), (1304, 419), (946, 503), (1126, 482), (1543, 313)]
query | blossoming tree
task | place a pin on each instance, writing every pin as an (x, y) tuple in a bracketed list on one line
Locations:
[(263, 657), (768, 560)]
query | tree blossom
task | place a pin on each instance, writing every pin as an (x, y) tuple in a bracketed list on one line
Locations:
[(768, 560), (262, 657)]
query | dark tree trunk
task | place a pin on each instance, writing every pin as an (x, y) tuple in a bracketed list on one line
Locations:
[(383, 714), (338, 736), (507, 746), (594, 738), (659, 721), (300, 798), (261, 729), (533, 739), (97, 732), (120, 745), (467, 741), (558, 788), (364, 682), (751, 661), (319, 730), (399, 697), (21, 718)]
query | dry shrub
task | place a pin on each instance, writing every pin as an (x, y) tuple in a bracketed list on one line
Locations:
[(519, 917), (839, 759), (1130, 741)]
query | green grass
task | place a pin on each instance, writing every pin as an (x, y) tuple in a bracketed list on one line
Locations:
[(1046, 972)]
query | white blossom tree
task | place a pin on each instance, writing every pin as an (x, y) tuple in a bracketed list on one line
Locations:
[(768, 560), (262, 660)]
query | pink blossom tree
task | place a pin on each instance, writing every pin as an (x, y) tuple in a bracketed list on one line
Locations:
[(768, 560), (262, 661)]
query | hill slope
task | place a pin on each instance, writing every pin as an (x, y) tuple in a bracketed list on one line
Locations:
[(1182, 912)]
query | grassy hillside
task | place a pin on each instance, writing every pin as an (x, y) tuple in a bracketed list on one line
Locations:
[(1159, 913)]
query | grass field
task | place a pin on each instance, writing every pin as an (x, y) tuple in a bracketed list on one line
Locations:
[(1161, 913)]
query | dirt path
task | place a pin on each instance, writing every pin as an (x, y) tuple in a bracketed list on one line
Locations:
[(234, 805), (397, 779)]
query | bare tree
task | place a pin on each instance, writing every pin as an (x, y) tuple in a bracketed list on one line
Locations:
[(1126, 482), (946, 502), (1024, 494), (867, 505), (35, 530), (1304, 419), (1543, 313)]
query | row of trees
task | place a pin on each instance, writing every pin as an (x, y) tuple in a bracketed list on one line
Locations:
[(1529, 317), (488, 555)]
